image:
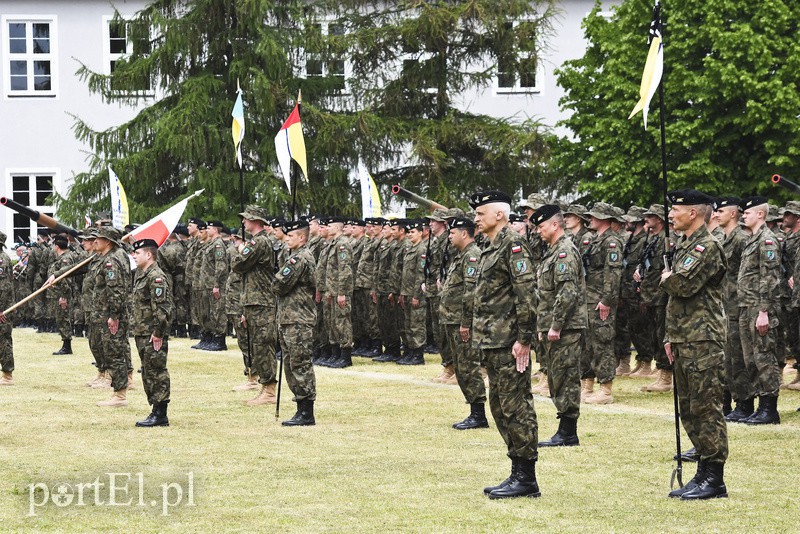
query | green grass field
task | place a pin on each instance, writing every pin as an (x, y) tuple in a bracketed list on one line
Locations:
[(382, 458)]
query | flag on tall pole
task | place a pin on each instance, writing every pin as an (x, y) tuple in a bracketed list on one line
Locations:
[(370, 199), (290, 145), (237, 126), (159, 227), (653, 67), (119, 201)]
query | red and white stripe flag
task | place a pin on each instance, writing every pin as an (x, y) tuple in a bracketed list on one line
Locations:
[(159, 227)]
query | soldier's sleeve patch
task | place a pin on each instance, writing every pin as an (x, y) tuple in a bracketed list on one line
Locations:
[(614, 256), (562, 254), (342, 255), (700, 248), (252, 241), (473, 259), (109, 265), (612, 245), (62, 261), (561, 267), (515, 249), (110, 275), (585, 241), (159, 280), (521, 266), (245, 251), (286, 271), (159, 291), (293, 261), (219, 253), (769, 242), (771, 255), (1, 270), (471, 271)]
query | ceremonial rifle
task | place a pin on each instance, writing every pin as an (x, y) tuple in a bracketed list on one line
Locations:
[(416, 199)]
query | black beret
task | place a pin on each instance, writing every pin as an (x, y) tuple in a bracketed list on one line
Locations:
[(516, 217), (394, 222), (413, 224), (356, 222), (543, 213), (144, 243), (201, 225), (215, 224), (196, 220), (277, 222), (290, 226), (488, 197), (227, 231), (181, 229), (749, 202), (337, 219), (688, 197), (462, 222), (724, 202)]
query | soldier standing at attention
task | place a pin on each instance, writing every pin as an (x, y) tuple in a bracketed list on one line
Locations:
[(213, 281), (6, 300), (339, 295), (502, 327), (561, 319), (63, 293), (151, 323), (297, 315), (759, 300), (412, 299), (695, 339)]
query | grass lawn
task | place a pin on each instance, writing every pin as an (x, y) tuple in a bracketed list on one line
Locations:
[(382, 458)]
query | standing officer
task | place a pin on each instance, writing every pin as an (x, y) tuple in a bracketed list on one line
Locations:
[(695, 339), (151, 323), (412, 299), (6, 300), (502, 327), (561, 320), (297, 315), (213, 280), (63, 293)]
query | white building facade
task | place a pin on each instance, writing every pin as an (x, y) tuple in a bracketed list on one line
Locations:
[(44, 42)]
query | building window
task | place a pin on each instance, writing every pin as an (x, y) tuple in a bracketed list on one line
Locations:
[(119, 46), (32, 190), (518, 67), (29, 49), (321, 58)]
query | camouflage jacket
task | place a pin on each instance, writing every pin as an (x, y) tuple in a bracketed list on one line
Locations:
[(760, 271), (66, 288), (413, 276), (295, 285), (6, 281), (365, 273), (561, 300), (358, 246), (172, 261), (791, 243), (733, 246), (384, 259), (213, 265), (152, 303), (584, 234), (695, 308), (339, 270), (396, 267), (458, 289), (435, 255), (111, 285), (233, 287), (650, 267), (631, 256), (322, 265), (256, 264), (190, 268), (604, 271), (504, 308)]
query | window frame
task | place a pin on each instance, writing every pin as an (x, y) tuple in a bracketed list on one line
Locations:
[(29, 56), (307, 57), (31, 173), (517, 88), (108, 56)]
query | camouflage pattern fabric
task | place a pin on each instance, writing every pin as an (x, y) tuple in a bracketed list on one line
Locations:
[(155, 375), (6, 300), (467, 365)]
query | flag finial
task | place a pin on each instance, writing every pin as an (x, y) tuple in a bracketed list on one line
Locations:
[(299, 97)]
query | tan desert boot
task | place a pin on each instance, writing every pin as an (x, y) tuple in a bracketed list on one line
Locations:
[(266, 396), (117, 400), (103, 383), (540, 385), (662, 384), (6, 379), (130, 380), (624, 368), (447, 373), (96, 379), (602, 395), (643, 372), (250, 384), (587, 388)]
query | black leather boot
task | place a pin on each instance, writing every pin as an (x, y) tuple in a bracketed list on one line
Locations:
[(726, 402), (344, 360), (79, 329), (66, 347), (304, 415), (217, 343), (688, 456), (712, 486), (413, 357), (200, 345), (194, 331), (475, 419), (324, 354), (743, 410), (180, 331), (523, 485), (358, 347), (514, 467), (158, 417), (566, 436), (767, 413), (692, 484), (373, 348), (335, 354)]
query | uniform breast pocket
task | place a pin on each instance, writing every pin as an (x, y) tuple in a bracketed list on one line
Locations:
[(547, 279)]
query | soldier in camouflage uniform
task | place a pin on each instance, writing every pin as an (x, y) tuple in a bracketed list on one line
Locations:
[(6, 301), (355, 230), (502, 327), (111, 287), (213, 277), (321, 334), (234, 310), (455, 315), (365, 283), (758, 294), (387, 257), (791, 314), (437, 242), (338, 295), (561, 320), (255, 261), (603, 263), (150, 324), (196, 228), (694, 340), (172, 260), (22, 286), (63, 293), (295, 286), (412, 299), (630, 326)]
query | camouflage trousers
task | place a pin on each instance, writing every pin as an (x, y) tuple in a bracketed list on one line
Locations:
[(95, 337), (792, 331), (200, 309), (76, 305), (622, 328), (64, 320), (467, 364), (117, 352), (194, 307), (181, 298), (537, 352), (563, 375), (155, 376), (736, 379), (296, 342), (262, 322), (414, 323), (698, 379), (598, 359), (365, 315), (320, 333), (241, 337), (387, 322), (760, 360), (656, 323), (339, 322), (511, 402), (214, 319), (646, 324), (438, 331), (6, 348)]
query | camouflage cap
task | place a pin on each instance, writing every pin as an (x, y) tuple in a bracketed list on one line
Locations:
[(773, 214), (108, 232), (619, 214), (454, 212), (255, 213), (576, 209), (533, 202), (635, 214), (793, 207), (439, 215), (601, 210), (656, 210)]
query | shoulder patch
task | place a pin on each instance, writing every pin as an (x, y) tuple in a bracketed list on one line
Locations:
[(473, 259), (293, 260), (286, 271), (562, 254), (612, 245), (159, 280), (769, 242), (515, 249), (699, 248), (585, 241), (252, 241), (109, 265)]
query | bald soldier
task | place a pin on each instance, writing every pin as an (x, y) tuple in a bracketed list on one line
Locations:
[(502, 327)]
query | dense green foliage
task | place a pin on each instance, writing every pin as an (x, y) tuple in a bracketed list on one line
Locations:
[(731, 84), (396, 109)]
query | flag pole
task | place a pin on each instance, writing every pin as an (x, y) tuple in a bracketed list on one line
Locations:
[(293, 171)]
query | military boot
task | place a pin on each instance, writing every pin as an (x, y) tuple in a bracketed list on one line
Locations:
[(100, 375), (744, 409), (250, 384), (624, 367), (414, 357), (265, 396), (180, 331), (602, 396), (158, 417), (194, 331), (103, 383), (78, 329), (523, 485), (475, 419), (373, 348), (66, 347), (642, 370), (662, 384), (712, 486), (514, 468), (726, 402), (688, 456), (322, 353), (636, 367), (692, 484), (117, 400), (335, 355), (447, 372), (6, 379), (359, 346), (566, 436), (767, 413), (304, 415), (587, 388), (344, 360), (200, 345), (217, 343)]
